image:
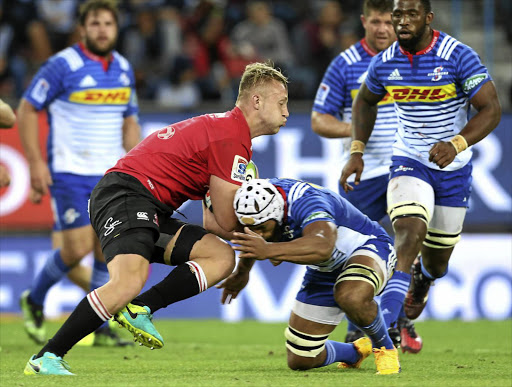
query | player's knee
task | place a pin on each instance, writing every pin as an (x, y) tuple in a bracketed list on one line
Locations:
[(303, 348), (439, 239), (190, 235), (218, 251), (408, 232), (72, 254), (299, 363)]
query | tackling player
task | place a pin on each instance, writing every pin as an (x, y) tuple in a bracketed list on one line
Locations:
[(331, 117), (433, 79), (349, 258), (88, 91), (131, 207)]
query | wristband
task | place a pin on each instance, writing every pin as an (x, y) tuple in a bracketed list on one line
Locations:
[(459, 142), (357, 146)]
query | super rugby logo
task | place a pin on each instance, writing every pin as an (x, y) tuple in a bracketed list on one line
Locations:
[(437, 74), (239, 168), (166, 133)]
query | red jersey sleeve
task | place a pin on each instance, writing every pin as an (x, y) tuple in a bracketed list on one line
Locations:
[(228, 160)]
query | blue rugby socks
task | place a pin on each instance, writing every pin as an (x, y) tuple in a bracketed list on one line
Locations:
[(53, 271)]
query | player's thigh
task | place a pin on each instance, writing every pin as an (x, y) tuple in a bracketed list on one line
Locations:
[(410, 197), (77, 243)]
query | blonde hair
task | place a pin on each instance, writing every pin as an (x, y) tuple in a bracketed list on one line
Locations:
[(257, 74)]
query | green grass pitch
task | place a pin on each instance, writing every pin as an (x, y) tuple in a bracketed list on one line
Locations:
[(214, 353)]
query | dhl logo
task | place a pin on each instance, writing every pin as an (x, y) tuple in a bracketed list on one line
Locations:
[(116, 96), (423, 94), (384, 101)]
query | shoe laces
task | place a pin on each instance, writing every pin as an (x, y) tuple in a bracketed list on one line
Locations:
[(61, 363), (409, 326), (385, 358)]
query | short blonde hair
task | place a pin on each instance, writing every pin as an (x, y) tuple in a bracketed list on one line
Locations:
[(257, 74)]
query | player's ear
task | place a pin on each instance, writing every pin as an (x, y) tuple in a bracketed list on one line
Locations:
[(256, 101)]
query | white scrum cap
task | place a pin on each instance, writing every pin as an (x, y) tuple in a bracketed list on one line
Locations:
[(257, 201)]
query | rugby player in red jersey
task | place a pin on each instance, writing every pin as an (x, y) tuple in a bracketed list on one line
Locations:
[(131, 208)]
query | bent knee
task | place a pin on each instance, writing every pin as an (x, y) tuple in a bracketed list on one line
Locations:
[(299, 363)]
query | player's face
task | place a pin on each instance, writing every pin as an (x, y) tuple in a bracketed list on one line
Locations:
[(379, 31), (100, 32), (268, 230), (274, 106), (410, 22)]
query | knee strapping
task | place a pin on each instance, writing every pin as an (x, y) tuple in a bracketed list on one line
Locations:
[(408, 210), (303, 344), (359, 272), (189, 235), (439, 239)]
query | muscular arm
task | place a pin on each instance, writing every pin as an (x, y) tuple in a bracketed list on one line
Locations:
[(326, 125), (222, 194), (313, 247), (364, 113), (211, 225), (486, 102), (7, 117), (131, 132), (478, 127)]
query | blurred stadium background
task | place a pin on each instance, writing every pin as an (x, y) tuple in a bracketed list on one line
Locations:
[(188, 56)]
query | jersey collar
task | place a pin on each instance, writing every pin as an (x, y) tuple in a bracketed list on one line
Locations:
[(104, 62), (426, 50), (367, 48)]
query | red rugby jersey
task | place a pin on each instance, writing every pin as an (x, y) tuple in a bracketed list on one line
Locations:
[(176, 162)]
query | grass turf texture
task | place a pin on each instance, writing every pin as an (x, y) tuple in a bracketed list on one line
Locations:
[(214, 353)]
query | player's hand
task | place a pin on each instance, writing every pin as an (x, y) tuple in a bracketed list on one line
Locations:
[(5, 178), (442, 153), (232, 286), (250, 245), (40, 178), (34, 196), (354, 165)]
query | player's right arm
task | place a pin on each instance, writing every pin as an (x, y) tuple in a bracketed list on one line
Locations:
[(364, 114), (326, 125), (28, 129)]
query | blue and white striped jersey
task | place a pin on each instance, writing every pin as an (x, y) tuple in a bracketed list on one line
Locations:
[(431, 91), (335, 95), (307, 203), (86, 105)]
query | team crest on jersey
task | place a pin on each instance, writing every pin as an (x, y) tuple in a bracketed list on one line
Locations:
[(124, 79), (40, 90), (239, 168), (166, 133), (437, 74), (322, 93)]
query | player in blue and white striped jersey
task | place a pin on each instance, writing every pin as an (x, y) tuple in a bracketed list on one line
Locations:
[(433, 79), (349, 259), (331, 118), (89, 95)]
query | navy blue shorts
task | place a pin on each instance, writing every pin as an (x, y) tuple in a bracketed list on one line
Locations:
[(451, 188), (70, 196), (369, 197)]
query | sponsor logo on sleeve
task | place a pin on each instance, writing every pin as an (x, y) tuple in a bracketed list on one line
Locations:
[(322, 93), (318, 215), (473, 82), (40, 90), (239, 168)]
